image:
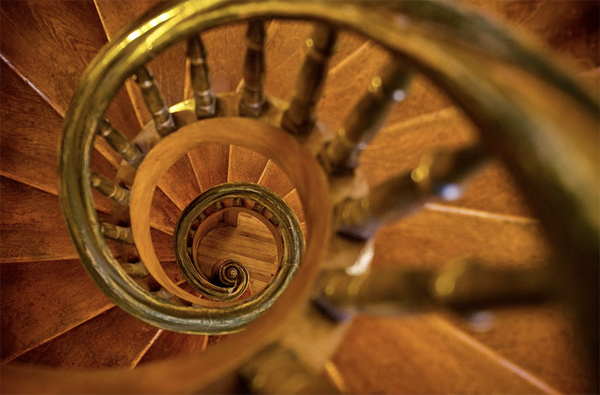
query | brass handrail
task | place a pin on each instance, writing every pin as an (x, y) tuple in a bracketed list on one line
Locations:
[(500, 81)]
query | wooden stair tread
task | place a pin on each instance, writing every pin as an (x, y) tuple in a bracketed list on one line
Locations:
[(119, 341), (171, 344), (226, 48), (164, 213), (543, 340), (293, 200), (41, 300), (210, 163), (245, 165), (398, 148), (30, 133), (179, 183), (275, 179), (433, 237), (421, 354), (32, 226), (61, 41), (250, 243), (283, 68)]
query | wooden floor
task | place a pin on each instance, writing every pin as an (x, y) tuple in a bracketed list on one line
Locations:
[(251, 243)]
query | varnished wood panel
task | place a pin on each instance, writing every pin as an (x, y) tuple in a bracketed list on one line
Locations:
[(422, 355), (51, 43), (32, 226), (164, 212), (170, 344), (284, 51), (211, 164), (245, 165), (282, 71), (226, 48), (250, 242), (293, 200), (543, 340), (30, 134), (163, 245), (432, 237), (274, 178), (398, 148), (347, 82), (180, 184), (344, 90), (119, 341), (41, 300)]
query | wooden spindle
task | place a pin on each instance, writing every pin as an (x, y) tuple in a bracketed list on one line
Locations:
[(340, 156), (206, 102), (155, 102), (135, 269), (461, 285), (253, 96), (117, 233), (300, 117), (112, 191), (128, 151), (438, 174), (277, 370)]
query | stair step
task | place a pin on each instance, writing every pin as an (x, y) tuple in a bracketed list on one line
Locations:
[(422, 354), (30, 132), (171, 344), (541, 339), (399, 147), (283, 67), (293, 200), (210, 163), (164, 213), (179, 183), (432, 238), (245, 165), (32, 226), (41, 300), (226, 47), (119, 341), (59, 45), (275, 179)]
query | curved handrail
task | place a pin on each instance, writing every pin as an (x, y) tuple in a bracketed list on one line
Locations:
[(504, 108)]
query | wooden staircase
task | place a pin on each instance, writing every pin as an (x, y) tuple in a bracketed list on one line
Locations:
[(54, 315)]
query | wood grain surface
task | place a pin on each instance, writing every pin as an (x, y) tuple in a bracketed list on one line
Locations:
[(293, 200), (60, 41), (399, 147), (226, 48), (180, 184), (211, 164), (119, 341), (542, 340), (275, 179), (422, 355), (251, 243), (170, 344), (41, 300), (245, 165), (435, 236), (32, 226), (30, 137)]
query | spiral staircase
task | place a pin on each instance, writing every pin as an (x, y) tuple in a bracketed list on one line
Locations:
[(55, 316)]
